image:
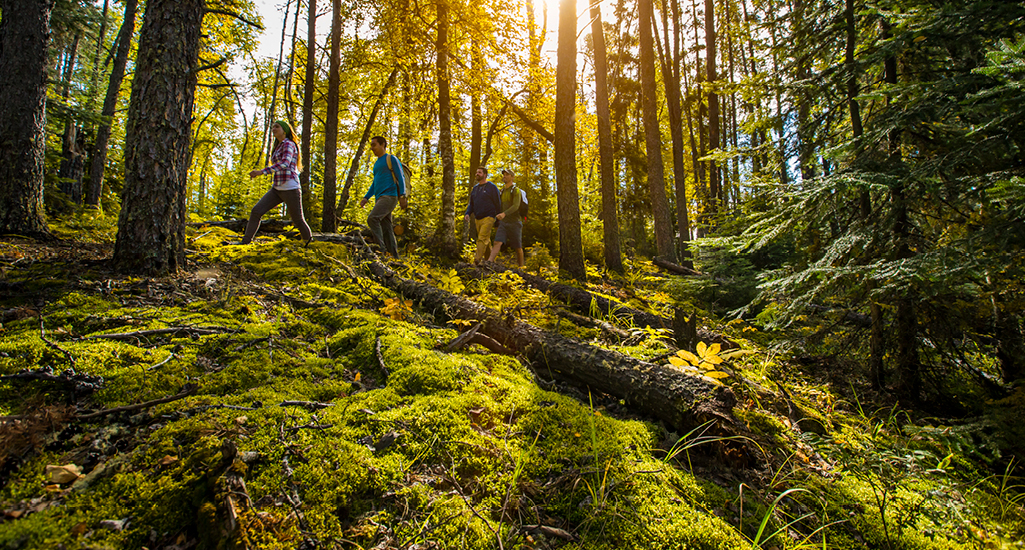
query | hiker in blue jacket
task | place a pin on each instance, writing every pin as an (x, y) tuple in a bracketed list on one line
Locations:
[(485, 205), (389, 189)]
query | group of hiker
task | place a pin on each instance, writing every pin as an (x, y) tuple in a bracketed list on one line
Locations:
[(488, 206)]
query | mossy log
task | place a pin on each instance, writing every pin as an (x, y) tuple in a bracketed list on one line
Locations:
[(668, 394)]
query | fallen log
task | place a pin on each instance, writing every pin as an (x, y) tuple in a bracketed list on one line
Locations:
[(679, 399), (673, 267)]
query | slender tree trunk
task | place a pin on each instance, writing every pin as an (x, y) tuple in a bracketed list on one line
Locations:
[(805, 133), (151, 229), (711, 76), (117, 74), (24, 41), (100, 37), (571, 254), (70, 171), (446, 231), (343, 200), (289, 97), (476, 133), (908, 367), (309, 89), (328, 222), (653, 139), (671, 78), (610, 216)]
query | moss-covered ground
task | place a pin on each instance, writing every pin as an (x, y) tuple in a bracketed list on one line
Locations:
[(324, 414)]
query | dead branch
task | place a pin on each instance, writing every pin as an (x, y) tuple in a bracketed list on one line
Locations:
[(309, 405), (42, 334), (674, 268), (174, 331), (459, 341), (186, 391), (77, 382)]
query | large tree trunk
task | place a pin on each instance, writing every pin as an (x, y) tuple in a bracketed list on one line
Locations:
[(309, 89), (445, 235), (610, 214), (327, 224), (151, 229), (663, 222), (24, 41), (681, 400), (571, 254), (117, 74)]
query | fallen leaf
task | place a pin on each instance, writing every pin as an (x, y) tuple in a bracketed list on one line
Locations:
[(168, 460), (63, 474), (79, 529)]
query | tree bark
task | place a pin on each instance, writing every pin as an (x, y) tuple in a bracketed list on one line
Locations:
[(309, 88), (327, 224), (571, 254), (445, 235), (663, 222), (99, 154), (24, 41), (610, 207), (151, 228)]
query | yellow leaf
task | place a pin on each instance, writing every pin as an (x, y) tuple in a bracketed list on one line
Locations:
[(677, 362), (701, 348), (713, 349), (717, 374), (919, 39), (713, 359), (357, 377), (689, 357)]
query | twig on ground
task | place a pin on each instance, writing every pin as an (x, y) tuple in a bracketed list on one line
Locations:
[(311, 405), (165, 361), (186, 391), (42, 334)]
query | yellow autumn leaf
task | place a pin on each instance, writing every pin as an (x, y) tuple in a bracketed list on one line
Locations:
[(717, 374), (713, 349), (712, 359), (677, 362), (689, 357), (701, 348), (357, 377)]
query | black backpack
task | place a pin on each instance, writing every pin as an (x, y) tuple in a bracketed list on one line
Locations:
[(524, 207)]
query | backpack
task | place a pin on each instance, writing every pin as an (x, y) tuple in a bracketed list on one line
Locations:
[(407, 174), (524, 207)]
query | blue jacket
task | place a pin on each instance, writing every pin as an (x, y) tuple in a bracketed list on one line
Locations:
[(484, 201), (383, 182)]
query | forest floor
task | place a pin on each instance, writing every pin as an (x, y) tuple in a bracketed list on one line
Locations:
[(276, 396)]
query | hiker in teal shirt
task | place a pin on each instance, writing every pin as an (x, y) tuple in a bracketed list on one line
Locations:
[(388, 188)]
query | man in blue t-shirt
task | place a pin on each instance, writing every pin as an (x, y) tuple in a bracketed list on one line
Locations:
[(389, 189), (484, 206)]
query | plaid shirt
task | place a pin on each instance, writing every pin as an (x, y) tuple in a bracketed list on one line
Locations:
[(285, 157)]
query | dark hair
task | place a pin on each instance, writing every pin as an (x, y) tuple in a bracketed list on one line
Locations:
[(485, 168), (381, 140)]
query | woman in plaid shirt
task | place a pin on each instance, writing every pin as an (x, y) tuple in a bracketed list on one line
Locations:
[(285, 168)]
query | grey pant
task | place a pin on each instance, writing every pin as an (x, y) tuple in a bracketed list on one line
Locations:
[(380, 223), (292, 198)]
